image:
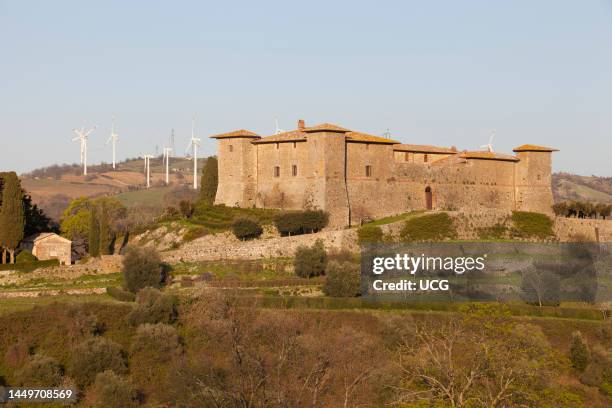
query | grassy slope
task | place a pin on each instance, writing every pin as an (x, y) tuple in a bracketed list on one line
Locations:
[(152, 196), (586, 188)]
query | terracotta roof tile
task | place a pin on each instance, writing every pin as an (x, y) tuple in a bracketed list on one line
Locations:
[(534, 148), (488, 156), (236, 133), (325, 127), (364, 137), (424, 149), (290, 136)]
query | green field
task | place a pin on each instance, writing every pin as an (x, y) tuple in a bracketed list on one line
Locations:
[(153, 196)]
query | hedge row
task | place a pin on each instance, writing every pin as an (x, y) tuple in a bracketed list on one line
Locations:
[(301, 222), (29, 266)]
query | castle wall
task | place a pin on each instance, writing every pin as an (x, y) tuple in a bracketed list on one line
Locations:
[(533, 182), (237, 179), (285, 190)]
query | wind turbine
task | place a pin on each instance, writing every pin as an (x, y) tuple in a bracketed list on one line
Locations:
[(489, 146), (277, 130), (147, 164), (113, 139), (166, 161), (193, 144), (82, 136)]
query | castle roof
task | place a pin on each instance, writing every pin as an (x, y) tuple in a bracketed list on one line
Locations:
[(237, 133), (364, 137), (290, 136), (325, 127), (424, 149), (299, 135), (534, 148), (488, 156)]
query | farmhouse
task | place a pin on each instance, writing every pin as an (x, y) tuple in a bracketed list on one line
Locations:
[(48, 245), (356, 176)]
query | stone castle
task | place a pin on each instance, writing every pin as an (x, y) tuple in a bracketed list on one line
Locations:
[(355, 176)]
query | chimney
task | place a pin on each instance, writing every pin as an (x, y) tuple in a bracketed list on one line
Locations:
[(301, 124)]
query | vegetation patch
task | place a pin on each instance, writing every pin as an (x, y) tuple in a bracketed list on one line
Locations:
[(431, 227), (245, 228), (301, 222), (342, 279), (310, 261), (369, 234), (120, 294), (532, 225), (29, 266)]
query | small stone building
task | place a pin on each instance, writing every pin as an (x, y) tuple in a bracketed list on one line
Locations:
[(47, 245)]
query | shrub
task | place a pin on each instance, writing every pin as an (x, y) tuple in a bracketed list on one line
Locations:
[(142, 268), (153, 306), (532, 225), (342, 279), (310, 262), (24, 257), (186, 208), (245, 228), (369, 234), (579, 352), (120, 294), (210, 181), (94, 356), (160, 342), (300, 222), (40, 371), (111, 390), (194, 233), (432, 227)]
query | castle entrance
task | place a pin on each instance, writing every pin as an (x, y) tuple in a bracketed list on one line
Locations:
[(428, 198)]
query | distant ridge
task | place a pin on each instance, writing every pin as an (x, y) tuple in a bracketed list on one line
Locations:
[(568, 187)]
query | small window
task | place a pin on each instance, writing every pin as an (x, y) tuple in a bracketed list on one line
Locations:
[(231, 148), (276, 171), (294, 144), (406, 156), (425, 158), (294, 170), (368, 171), (367, 146), (277, 145)]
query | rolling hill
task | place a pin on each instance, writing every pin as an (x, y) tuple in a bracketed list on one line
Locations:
[(568, 187)]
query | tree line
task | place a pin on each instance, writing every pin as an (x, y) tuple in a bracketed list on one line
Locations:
[(582, 209), (19, 218)]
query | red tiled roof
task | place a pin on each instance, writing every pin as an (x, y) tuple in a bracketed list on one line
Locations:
[(290, 136), (424, 149), (236, 133), (364, 137), (488, 156), (534, 148), (325, 127)]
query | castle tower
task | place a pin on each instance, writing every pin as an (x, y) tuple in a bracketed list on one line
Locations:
[(532, 184), (237, 175), (327, 150)]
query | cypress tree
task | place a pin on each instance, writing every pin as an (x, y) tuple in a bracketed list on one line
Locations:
[(104, 231), (94, 232), (12, 220), (210, 180)]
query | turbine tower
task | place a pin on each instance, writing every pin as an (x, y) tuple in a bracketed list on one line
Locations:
[(147, 163), (489, 146), (193, 144), (172, 146), (277, 130), (113, 139), (82, 136), (166, 162)]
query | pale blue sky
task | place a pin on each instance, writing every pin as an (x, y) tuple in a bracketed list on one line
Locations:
[(434, 72)]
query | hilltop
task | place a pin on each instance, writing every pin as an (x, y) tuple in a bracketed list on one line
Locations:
[(568, 187)]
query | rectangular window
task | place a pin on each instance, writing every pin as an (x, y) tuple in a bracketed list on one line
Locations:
[(294, 144), (368, 171), (231, 148), (276, 171), (277, 145), (294, 170), (406, 156), (367, 146), (425, 158)]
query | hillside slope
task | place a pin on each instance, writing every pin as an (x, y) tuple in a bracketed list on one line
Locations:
[(568, 187)]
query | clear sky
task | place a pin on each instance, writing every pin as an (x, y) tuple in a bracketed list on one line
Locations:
[(433, 72)]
